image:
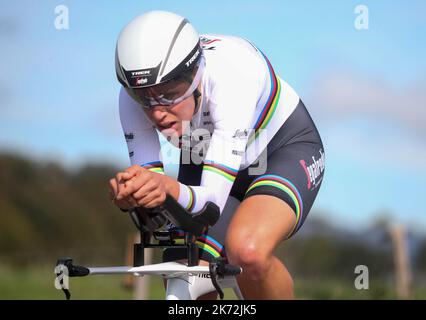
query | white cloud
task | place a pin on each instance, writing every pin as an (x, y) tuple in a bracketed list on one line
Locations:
[(370, 120), (402, 152), (341, 93)]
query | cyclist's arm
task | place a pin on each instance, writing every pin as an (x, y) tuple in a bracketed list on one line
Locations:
[(141, 138), (219, 171)]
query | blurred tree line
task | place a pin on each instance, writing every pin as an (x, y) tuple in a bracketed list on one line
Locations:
[(326, 255), (47, 212)]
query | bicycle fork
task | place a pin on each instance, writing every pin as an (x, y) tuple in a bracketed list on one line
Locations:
[(191, 287)]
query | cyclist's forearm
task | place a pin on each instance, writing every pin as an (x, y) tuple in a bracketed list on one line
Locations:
[(172, 186)]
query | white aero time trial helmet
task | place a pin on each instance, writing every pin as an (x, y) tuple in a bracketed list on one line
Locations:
[(159, 59)]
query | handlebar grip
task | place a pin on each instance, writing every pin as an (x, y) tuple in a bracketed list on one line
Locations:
[(194, 223), (73, 270), (229, 270)]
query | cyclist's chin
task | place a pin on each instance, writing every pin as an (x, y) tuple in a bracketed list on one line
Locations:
[(172, 131)]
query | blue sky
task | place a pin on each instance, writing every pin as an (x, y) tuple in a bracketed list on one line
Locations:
[(364, 88)]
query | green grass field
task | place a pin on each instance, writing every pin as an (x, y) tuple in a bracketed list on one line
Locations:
[(37, 282)]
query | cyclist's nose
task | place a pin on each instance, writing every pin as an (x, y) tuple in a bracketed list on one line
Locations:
[(159, 112)]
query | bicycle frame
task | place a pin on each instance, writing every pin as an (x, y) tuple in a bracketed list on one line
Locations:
[(185, 281)]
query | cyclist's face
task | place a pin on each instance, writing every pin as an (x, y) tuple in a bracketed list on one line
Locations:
[(172, 120)]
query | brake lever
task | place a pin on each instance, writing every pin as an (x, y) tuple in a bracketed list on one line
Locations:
[(61, 266), (219, 269), (71, 271), (213, 267)]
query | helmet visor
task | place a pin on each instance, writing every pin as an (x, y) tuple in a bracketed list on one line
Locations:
[(170, 92)]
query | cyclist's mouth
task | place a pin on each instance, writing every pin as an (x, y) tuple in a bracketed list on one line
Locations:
[(171, 125)]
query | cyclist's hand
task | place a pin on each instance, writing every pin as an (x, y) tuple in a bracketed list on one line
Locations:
[(116, 185), (146, 187)]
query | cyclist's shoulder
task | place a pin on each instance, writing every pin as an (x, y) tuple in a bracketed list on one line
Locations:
[(212, 41), (228, 47), (232, 61), (126, 103)]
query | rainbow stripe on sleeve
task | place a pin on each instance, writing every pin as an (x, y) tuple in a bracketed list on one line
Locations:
[(225, 171), (203, 242), (192, 199), (155, 166), (271, 104), (286, 186)]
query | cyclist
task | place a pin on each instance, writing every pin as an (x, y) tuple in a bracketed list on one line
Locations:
[(244, 134)]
